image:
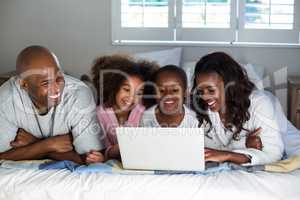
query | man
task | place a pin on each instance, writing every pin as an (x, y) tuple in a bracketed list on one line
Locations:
[(46, 114)]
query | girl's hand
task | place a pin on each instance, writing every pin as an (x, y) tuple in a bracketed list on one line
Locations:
[(253, 140), (94, 157), (216, 155)]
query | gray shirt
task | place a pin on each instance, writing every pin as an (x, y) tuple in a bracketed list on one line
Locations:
[(76, 114)]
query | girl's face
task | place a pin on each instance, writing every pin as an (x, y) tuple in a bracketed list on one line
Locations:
[(170, 93), (211, 89), (130, 93)]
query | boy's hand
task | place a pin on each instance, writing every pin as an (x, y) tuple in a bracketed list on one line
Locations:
[(94, 157), (23, 138), (253, 140)]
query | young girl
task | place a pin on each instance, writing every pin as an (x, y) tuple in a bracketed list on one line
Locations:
[(119, 81), (170, 111), (229, 108)]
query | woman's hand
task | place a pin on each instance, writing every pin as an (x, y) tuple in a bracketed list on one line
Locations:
[(253, 140), (215, 155), (94, 157), (225, 156)]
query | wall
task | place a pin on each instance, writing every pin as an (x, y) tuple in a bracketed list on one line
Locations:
[(78, 31)]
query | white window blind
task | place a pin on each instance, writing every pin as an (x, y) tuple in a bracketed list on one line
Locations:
[(205, 20), (269, 21), (206, 14), (254, 21), (269, 14), (144, 13), (142, 20)]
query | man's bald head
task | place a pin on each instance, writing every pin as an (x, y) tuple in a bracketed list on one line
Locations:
[(40, 76), (35, 58)]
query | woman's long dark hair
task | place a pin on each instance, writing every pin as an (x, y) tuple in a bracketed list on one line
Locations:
[(237, 85)]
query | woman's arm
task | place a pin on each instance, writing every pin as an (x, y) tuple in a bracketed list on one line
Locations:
[(263, 113), (225, 156)]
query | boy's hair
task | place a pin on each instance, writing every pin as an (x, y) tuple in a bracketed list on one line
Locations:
[(110, 72), (180, 73)]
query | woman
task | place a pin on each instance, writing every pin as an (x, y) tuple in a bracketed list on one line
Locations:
[(229, 108)]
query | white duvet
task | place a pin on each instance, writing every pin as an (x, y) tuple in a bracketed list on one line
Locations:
[(21, 184)]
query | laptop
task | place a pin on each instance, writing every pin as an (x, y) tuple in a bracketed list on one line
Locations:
[(178, 149)]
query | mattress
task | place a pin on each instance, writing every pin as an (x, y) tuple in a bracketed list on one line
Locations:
[(19, 184)]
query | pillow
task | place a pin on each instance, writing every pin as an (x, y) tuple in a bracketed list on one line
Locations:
[(276, 83), (189, 67), (164, 57), (254, 76)]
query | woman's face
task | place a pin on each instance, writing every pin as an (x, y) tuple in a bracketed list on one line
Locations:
[(130, 93), (170, 93), (211, 89)]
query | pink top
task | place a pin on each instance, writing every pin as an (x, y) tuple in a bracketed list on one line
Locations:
[(109, 122)]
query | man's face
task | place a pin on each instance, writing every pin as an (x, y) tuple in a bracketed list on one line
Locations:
[(44, 83)]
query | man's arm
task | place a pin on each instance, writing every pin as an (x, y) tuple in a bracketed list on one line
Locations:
[(24, 138), (39, 149), (35, 151), (71, 155)]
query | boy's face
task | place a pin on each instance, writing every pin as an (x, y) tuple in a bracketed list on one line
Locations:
[(129, 94), (170, 93)]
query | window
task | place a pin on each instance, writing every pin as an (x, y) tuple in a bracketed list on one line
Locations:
[(206, 14), (269, 21), (147, 13), (226, 21), (266, 14)]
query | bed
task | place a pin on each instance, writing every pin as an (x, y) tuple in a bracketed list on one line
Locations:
[(19, 184)]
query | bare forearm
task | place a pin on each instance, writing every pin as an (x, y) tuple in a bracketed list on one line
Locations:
[(113, 153), (71, 155), (238, 158), (37, 150)]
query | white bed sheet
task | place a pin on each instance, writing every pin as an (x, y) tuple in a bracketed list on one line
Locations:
[(21, 184)]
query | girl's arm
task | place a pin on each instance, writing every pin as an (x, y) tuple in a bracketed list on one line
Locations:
[(113, 152)]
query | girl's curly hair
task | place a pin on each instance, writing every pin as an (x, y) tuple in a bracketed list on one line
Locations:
[(238, 88), (109, 73)]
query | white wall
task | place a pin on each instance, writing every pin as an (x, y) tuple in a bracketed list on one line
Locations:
[(79, 30)]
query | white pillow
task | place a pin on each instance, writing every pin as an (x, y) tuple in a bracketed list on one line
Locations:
[(189, 68), (254, 76), (164, 57)]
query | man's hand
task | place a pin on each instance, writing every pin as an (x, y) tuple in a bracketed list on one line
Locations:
[(94, 157), (23, 138), (253, 140), (60, 143)]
